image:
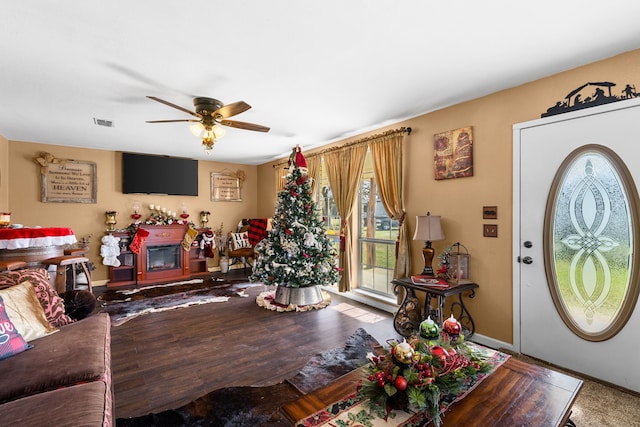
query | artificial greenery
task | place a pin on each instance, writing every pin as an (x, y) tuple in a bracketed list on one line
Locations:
[(297, 252), (438, 367)]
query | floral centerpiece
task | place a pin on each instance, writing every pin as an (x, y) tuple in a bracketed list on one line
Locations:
[(416, 374)]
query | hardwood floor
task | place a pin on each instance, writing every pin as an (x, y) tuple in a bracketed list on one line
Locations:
[(165, 360)]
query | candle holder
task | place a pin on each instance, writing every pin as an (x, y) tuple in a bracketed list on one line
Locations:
[(136, 211), (204, 218), (111, 220)]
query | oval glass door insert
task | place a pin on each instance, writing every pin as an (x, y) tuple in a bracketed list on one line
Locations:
[(590, 238)]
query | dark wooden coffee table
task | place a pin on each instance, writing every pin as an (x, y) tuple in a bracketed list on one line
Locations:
[(516, 394)]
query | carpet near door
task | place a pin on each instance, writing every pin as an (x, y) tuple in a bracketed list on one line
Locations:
[(258, 406)]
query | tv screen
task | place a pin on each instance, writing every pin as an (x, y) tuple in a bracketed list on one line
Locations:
[(147, 174)]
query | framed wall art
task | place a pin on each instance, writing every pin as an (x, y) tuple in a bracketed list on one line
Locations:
[(453, 153), (226, 187), (67, 181)]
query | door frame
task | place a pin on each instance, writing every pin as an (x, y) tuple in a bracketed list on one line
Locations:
[(516, 239)]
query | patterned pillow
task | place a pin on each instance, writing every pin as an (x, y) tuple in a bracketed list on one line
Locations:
[(25, 311), (11, 342), (52, 304), (240, 240)]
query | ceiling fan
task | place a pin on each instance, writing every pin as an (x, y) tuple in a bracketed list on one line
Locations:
[(210, 114)]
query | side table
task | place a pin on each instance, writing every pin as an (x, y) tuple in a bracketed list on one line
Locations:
[(409, 315)]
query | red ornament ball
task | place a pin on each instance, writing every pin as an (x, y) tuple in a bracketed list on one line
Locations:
[(400, 383), (452, 326)]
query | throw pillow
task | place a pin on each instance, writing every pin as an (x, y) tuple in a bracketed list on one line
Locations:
[(240, 240), (11, 342), (52, 304), (25, 311)]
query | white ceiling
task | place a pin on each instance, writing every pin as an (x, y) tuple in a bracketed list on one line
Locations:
[(315, 72)]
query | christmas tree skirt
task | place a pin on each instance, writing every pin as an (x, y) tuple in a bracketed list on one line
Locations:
[(266, 300)]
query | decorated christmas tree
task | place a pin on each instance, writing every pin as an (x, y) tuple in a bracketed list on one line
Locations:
[(296, 252)]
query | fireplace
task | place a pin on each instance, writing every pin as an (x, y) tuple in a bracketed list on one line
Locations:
[(162, 258)]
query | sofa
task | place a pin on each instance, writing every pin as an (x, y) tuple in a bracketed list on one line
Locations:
[(60, 377)]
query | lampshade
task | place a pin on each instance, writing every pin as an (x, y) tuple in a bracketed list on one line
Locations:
[(428, 228)]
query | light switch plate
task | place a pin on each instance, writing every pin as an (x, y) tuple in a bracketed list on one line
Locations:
[(490, 230)]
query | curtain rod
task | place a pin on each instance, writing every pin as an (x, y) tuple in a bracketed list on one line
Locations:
[(403, 129)]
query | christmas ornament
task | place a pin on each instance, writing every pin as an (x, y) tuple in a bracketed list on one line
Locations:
[(403, 353), (452, 326), (429, 328), (400, 383), (439, 353)]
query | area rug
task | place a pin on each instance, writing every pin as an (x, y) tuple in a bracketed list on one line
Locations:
[(266, 300), (258, 406), (126, 304)]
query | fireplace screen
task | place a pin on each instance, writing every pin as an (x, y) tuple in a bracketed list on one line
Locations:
[(161, 258)]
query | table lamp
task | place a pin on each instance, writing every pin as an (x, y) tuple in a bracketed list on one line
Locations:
[(428, 228)]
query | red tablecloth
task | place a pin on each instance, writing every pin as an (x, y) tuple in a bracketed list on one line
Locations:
[(21, 238)]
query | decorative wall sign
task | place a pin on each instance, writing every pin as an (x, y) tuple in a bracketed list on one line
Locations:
[(67, 181), (586, 96), (453, 153), (226, 186)]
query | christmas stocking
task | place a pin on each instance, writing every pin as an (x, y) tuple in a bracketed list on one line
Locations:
[(188, 239), (207, 244), (138, 240)]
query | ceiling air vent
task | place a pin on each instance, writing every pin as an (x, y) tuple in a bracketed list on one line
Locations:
[(103, 122)]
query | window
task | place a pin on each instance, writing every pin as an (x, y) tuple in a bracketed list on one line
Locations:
[(376, 237), (591, 240)]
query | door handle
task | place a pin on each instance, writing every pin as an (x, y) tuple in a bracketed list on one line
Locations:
[(527, 260)]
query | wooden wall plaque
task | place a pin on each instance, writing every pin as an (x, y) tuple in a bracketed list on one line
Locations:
[(67, 181)]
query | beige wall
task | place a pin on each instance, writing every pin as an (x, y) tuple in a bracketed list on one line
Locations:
[(4, 175), (460, 201), (89, 219)]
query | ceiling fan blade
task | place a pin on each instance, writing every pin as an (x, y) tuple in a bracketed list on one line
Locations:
[(244, 125), (172, 121), (231, 110), (162, 101)]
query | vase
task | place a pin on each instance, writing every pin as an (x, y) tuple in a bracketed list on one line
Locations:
[(298, 296), (224, 265)]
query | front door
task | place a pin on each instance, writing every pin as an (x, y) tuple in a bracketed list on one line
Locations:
[(576, 241)]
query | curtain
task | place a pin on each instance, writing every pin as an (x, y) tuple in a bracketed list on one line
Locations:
[(344, 169), (281, 172), (387, 155), (314, 164)]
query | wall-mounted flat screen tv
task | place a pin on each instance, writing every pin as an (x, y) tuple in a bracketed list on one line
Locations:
[(148, 174)]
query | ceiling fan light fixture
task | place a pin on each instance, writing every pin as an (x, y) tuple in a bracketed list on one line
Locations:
[(196, 129), (219, 131), (207, 145)]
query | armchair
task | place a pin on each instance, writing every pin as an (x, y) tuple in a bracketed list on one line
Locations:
[(241, 243)]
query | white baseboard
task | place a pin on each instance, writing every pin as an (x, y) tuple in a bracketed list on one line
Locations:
[(491, 342)]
